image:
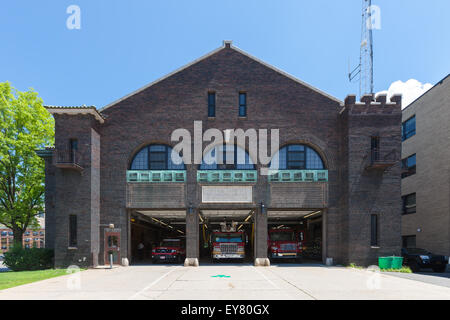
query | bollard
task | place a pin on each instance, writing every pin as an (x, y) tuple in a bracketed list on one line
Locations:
[(110, 261)]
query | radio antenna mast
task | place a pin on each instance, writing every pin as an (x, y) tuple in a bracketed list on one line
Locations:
[(364, 71)]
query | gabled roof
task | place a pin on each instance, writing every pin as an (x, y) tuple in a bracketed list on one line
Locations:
[(226, 44)]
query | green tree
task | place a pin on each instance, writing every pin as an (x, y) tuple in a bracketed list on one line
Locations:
[(25, 126)]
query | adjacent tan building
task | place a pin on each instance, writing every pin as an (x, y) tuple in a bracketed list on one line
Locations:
[(426, 170)]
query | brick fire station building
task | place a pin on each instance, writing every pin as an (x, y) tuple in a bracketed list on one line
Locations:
[(112, 184)]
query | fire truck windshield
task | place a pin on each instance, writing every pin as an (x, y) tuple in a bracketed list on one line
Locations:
[(227, 238), (282, 236)]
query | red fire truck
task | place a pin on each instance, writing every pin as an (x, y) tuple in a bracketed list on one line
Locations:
[(228, 243), (283, 243), (170, 250)]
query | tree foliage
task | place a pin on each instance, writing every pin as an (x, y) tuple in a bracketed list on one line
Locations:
[(25, 126)]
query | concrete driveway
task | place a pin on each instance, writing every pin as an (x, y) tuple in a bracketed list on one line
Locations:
[(227, 281)]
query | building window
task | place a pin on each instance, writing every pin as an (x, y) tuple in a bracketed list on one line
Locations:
[(296, 157), (242, 104), (409, 166), (373, 230), (409, 128), (375, 148), (72, 231), (409, 204), (227, 157), (73, 145), (409, 241), (157, 157), (211, 104)]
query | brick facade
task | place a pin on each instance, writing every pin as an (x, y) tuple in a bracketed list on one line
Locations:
[(430, 223), (31, 238), (339, 132)]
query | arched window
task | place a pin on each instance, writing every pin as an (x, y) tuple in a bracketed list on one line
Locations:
[(297, 157), (227, 157), (157, 157)]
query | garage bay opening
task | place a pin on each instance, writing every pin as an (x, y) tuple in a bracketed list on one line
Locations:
[(226, 236), (158, 237), (294, 236)]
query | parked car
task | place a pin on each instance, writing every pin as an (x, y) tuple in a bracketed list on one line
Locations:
[(417, 259)]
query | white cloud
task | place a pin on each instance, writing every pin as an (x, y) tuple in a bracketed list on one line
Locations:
[(410, 90)]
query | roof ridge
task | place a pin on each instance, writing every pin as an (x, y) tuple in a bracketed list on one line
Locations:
[(226, 44)]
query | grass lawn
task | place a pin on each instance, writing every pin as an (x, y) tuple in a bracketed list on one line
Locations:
[(11, 279)]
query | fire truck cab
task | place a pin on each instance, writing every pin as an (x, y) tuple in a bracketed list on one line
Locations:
[(228, 243), (283, 244)]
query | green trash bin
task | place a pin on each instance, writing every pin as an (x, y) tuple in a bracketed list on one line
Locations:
[(397, 262), (385, 262)]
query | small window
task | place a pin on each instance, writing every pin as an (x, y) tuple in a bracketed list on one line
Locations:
[(211, 104), (242, 104), (409, 166), (374, 230), (73, 145), (409, 128), (72, 231), (113, 242), (409, 241), (296, 157), (409, 204), (375, 148)]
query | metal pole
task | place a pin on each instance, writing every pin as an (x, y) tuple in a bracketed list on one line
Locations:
[(110, 260)]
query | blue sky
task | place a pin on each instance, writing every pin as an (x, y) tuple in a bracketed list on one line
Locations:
[(124, 45)]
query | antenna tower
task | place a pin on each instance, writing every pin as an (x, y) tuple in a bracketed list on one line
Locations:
[(364, 71)]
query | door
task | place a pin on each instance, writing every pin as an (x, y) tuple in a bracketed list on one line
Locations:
[(112, 245)]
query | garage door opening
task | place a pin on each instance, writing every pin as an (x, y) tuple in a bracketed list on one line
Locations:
[(226, 236), (158, 237), (294, 236)]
